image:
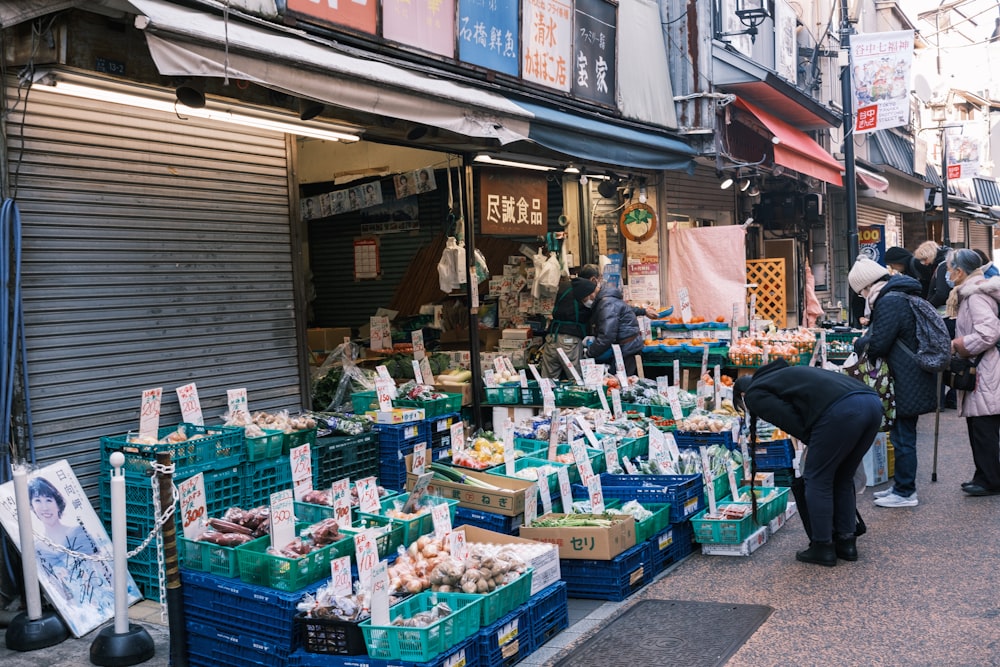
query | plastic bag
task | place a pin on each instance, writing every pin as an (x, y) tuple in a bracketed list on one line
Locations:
[(450, 268), (546, 283), (482, 270)]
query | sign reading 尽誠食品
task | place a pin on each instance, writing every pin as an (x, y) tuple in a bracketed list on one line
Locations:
[(512, 203)]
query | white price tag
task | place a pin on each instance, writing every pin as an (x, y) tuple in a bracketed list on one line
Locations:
[(187, 396), (301, 461), (706, 475), (193, 510), (418, 375), (662, 383), (582, 460), (341, 492), (685, 302), (677, 372), (733, 484), (744, 450), (535, 374), (236, 400), (282, 519), (380, 593), (616, 403), (368, 501), (530, 504), (417, 494), (674, 399), (425, 370), (593, 374), (548, 399), (386, 391), (639, 370), (671, 444), (417, 337), (490, 378), (457, 545), (569, 366), (508, 449), (596, 495), (544, 491), (366, 556), (524, 378), (588, 433), (610, 447), (457, 436), (620, 365), (441, 516), (604, 400), (381, 334), (149, 413), (340, 574), (554, 422), (704, 362), (657, 446), (419, 458), (565, 491), (383, 372), (716, 384), (629, 467)]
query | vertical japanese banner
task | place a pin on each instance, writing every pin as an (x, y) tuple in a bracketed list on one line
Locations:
[(594, 51), (547, 42), (425, 24), (488, 36), (965, 146), (785, 41), (880, 76)]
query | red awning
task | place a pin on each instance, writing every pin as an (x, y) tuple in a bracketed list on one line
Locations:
[(795, 149), (871, 181)]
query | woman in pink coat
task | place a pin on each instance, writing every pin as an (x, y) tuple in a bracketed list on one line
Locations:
[(977, 331)]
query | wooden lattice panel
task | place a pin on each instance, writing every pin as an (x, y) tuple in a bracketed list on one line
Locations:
[(769, 276)]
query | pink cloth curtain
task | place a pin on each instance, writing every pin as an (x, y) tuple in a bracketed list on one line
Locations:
[(711, 263)]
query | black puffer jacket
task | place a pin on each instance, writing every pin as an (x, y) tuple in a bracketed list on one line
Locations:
[(569, 317), (614, 321), (891, 320)]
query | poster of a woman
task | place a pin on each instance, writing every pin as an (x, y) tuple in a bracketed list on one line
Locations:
[(73, 550)]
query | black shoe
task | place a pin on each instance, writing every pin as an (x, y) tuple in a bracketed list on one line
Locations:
[(820, 553), (976, 490), (965, 485), (846, 547)]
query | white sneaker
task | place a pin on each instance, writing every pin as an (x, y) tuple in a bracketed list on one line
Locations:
[(892, 500), (883, 493)]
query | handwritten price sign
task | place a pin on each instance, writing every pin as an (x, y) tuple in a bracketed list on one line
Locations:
[(386, 390), (531, 504), (301, 462), (342, 502), (340, 573), (368, 501), (596, 495), (565, 493), (457, 545), (192, 493), (236, 399), (366, 553), (419, 458), (441, 516), (282, 519), (380, 594), (190, 405), (149, 413)]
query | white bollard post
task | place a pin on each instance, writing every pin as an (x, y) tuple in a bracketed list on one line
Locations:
[(32, 595), (119, 544)]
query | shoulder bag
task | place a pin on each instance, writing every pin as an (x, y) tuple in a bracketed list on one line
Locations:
[(961, 373), (875, 373)]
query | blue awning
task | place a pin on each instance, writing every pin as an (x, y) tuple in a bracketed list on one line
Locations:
[(594, 140)]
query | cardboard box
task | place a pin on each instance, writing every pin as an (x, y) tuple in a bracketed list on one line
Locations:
[(465, 389), (764, 479), (876, 461), (744, 548), (546, 563), (586, 542), (323, 339), (397, 415), (488, 339), (508, 502)]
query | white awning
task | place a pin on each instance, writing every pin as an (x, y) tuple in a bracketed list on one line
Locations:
[(188, 42)]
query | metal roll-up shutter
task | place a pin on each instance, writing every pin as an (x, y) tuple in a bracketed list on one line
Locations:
[(981, 237), (700, 192), (156, 252)]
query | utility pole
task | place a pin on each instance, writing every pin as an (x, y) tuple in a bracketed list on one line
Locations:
[(847, 104)]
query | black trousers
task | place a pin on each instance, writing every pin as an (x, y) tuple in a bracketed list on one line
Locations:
[(984, 436)]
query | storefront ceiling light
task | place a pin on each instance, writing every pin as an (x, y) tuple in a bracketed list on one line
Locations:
[(484, 158), (571, 170), (162, 100), (726, 184)]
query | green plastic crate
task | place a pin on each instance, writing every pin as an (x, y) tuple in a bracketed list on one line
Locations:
[(720, 486), (211, 558), (633, 447), (421, 644), (505, 599), (434, 407), (266, 446), (721, 531), (575, 397), (288, 574), (297, 439), (529, 462), (768, 509), (363, 401), (504, 395), (646, 528), (417, 526), (387, 541), (206, 449), (539, 449), (637, 408)]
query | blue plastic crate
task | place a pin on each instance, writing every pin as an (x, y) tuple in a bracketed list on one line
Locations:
[(549, 611), (262, 478), (613, 579), (392, 467), (353, 456), (302, 658), (442, 424), (238, 607), (207, 644), (694, 440), (670, 546), (391, 437), (507, 641), (774, 454), (684, 493), (498, 523)]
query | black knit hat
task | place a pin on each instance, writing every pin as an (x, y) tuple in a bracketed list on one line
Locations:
[(582, 288), (897, 255)]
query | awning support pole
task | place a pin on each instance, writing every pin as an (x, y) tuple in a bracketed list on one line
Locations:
[(473, 287)]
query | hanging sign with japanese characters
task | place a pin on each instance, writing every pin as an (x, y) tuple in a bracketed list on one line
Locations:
[(594, 51), (880, 75), (547, 42), (487, 34), (512, 203)]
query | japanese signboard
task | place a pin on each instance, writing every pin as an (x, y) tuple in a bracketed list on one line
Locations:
[(425, 24), (547, 43), (358, 14), (880, 75), (488, 36), (512, 203), (966, 142), (594, 51)]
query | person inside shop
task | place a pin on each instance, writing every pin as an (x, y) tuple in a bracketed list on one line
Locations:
[(937, 294), (977, 331), (837, 417), (570, 318), (891, 320), (613, 322), (901, 260)]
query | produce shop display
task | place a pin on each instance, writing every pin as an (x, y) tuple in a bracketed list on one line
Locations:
[(482, 451), (577, 520), (283, 421), (705, 422), (418, 392), (316, 536), (540, 427), (720, 459), (326, 605), (177, 436), (340, 423), (325, 496), (237, 526), (428, 564)]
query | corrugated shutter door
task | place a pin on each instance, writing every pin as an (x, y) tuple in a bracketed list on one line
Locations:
[(981, 238), (156, 253), (700, 192)]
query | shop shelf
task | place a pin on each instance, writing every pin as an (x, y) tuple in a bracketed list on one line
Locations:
[(549, 613), (422, 644)]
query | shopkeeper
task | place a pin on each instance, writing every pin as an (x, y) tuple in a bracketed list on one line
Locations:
[(614, 322), (570, 318)]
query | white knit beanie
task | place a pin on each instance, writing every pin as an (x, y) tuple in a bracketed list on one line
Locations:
[(865, 272)]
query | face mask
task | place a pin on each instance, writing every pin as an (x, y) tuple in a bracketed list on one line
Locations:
[(948, 280), (589, 303)]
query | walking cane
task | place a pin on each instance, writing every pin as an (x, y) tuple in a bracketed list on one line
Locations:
[(937, 423)]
